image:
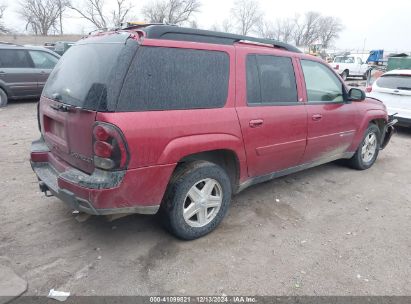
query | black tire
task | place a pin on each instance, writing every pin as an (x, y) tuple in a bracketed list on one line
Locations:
[(344, 75), (357, 161), (3, 98), (185, 177)]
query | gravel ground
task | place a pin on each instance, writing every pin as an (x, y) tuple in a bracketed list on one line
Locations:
[(325, 231)]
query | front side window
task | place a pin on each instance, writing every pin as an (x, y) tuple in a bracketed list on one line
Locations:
[(14, 59), (321, 83), (270, 79), (43, 60), (162, 78)]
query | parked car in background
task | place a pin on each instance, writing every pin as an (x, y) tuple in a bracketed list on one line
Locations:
[(24, 71), (61, 47), (180, 120), (394, 90), (350, 66), (49, 45)]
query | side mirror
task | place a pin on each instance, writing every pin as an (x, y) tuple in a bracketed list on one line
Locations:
[(356, 95)]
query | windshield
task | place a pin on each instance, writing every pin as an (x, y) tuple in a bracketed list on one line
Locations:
[(396, 82), (344, 59), (82, 76)]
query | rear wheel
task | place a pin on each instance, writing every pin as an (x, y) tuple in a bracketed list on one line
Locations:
[(196, 201), (367, 152), (3, 98)]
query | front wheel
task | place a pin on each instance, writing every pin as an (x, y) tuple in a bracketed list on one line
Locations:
[(367, 152), (197, 200)]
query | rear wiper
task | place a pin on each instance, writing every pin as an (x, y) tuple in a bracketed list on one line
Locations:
[(404, 88), (61, 107)]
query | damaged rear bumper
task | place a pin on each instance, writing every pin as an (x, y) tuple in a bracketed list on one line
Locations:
[(99, 193), (48, 183)]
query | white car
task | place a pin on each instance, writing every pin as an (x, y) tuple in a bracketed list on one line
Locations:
[(350, 66), (394, 90)]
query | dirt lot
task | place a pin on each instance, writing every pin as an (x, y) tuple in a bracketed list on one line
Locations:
[(326, 231)]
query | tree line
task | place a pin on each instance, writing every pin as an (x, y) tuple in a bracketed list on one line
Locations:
[(44, 17)]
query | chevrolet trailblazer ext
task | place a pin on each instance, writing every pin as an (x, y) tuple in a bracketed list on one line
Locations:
[(172, 120)]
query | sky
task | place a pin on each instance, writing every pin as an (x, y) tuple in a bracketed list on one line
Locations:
[(373, 24)]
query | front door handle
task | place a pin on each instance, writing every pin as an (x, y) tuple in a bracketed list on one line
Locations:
[(255, 123), (317, 117)]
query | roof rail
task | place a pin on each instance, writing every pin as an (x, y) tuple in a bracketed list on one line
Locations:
[(10, 43), (194, 35)]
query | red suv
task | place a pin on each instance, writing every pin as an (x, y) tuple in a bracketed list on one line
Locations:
[(174, 120)]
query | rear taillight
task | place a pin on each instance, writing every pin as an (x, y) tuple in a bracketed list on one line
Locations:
[(368, 89), (109, 147), (337, 67)]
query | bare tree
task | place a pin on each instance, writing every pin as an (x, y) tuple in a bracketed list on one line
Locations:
[(311, 27), (62, 5), (298, 33), (91, 10), (246, 14), (123, 8), (226, 26), (3, 29), (266, 29), (171, 11), (40, 15), (329, 30), (287, 29), (95, 11)]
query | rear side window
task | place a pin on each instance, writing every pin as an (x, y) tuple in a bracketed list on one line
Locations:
[(14, 59), (396, 82), (270, 79), (43, 60), (171, 79)]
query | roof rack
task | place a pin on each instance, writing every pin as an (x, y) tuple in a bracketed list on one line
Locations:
[(9, 43), (171, 32)]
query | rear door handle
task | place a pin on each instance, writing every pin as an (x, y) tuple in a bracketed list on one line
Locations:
[(2, 72), (255, 123), (317, 117)]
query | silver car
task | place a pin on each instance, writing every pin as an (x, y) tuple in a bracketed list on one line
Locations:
[(24, 71)]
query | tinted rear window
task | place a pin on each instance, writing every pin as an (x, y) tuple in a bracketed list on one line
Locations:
[(398, 82), (171, 78), (15, 59), (86, 75)]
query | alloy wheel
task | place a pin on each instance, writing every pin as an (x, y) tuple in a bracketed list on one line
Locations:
[(202, 203)]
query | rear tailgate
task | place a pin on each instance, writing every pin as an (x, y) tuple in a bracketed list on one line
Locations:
[(68, 133), (86, 80)]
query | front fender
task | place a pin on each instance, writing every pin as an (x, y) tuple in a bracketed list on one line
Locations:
[(369, 116)]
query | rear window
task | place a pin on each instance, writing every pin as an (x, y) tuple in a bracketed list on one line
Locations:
[(86, 75), (174, 79), (397, 82)]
